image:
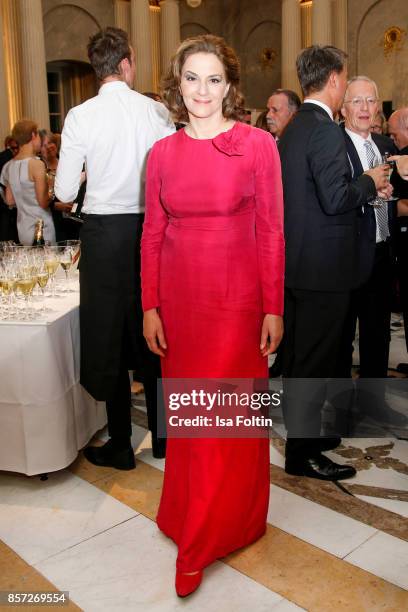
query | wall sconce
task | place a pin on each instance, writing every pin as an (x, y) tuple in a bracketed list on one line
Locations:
[(393, 40), (268, 57)]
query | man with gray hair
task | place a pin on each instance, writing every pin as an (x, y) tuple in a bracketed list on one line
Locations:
[(282, 105), (371, 300)]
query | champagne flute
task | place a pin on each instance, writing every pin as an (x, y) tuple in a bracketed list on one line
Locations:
[(7, 286), (65, 259), (26, 278), (42, 280), (69, 255), (75, 246), (7, 279), (377, 202), (51, 263), (25, 283)]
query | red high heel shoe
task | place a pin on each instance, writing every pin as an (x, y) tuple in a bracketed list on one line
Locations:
[(187, 583)]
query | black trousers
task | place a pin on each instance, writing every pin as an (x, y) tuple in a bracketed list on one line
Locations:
[(314, 324), (111, 319), (8, 222), (402, 269), (371, 306)]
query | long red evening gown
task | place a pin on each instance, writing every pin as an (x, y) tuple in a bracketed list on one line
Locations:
[(213, 262)]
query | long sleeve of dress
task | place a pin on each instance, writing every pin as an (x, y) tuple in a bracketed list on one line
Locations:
[(154, 226), (269, 225)]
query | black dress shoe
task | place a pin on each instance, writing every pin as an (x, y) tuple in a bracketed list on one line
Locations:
[(109, 456), (320, 467), (159, 447)]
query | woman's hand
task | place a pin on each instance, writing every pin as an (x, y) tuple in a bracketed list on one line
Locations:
[(153, 332), (9, 197), (271, 335)]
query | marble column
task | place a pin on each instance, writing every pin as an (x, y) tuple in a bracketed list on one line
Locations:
[(142, 44), (122, 15), (322, 22), (340, 24), (4, 105), (306, 13), (170, 31), (155, 29), (12, 58), (291, 43), (33, 63)]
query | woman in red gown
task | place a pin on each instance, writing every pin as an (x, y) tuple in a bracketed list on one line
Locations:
[(212, 290)]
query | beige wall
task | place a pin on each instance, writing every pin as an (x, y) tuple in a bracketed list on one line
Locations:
[(367, 22), (69, 24), (250, 26)]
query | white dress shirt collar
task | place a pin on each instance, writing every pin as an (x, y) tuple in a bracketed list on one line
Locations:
[(358, 140), (321, 104), (112, 86)]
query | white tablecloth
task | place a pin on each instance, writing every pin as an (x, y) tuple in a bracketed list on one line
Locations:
[(45, 414)]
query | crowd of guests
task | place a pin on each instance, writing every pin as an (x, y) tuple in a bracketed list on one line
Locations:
[(208, 248), (28, 167), (383, 261)]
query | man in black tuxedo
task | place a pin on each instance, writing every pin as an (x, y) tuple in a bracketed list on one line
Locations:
[(371, 300), (322, 203), (398, 130)]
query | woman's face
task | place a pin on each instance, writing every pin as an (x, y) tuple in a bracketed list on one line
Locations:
[(51, 150), (44, 146), (203, 85)]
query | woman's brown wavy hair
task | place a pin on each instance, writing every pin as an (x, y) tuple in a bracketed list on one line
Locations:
[(232, 107)]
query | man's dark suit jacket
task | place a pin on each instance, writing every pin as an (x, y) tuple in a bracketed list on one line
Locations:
[(400, 185), (367, 223), (321, 203)]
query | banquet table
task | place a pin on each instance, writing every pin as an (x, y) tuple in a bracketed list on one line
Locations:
[(46, 416)]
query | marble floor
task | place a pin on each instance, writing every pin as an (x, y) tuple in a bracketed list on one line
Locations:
[(328, 547)]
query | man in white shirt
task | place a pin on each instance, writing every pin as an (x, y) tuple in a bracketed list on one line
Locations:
[(112, 134), (371, 301)]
